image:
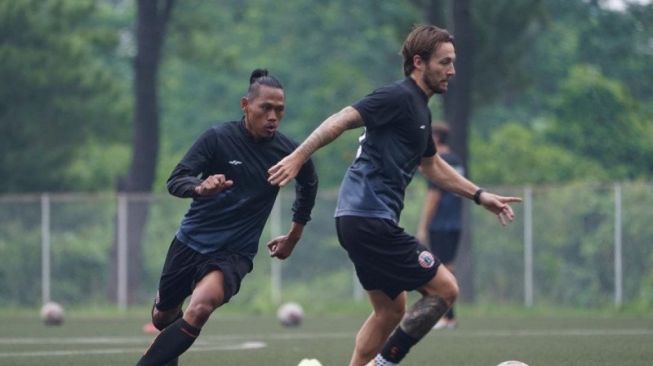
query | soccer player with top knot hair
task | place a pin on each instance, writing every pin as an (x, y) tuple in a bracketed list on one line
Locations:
[(224, 173)]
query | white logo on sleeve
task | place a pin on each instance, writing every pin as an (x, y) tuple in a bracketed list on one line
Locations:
[(235, 162), (422, 127)]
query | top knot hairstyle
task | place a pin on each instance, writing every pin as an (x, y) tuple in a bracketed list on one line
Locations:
[(423, 40), (261, 77)]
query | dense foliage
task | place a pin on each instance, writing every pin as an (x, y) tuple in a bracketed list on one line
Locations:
[(570, 73), (62, 110), (561, 93)]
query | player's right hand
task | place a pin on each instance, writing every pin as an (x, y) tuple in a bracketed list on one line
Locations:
[(213, 184), (284, 171), (499, 205)]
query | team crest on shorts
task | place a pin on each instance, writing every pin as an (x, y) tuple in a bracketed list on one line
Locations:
[(426, 259)]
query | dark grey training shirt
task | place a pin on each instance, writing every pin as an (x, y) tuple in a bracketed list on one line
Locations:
[(397, 136), (233, 219)]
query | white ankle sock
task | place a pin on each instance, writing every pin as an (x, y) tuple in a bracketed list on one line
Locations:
[(380, 361)]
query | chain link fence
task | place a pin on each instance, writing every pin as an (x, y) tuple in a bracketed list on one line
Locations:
[(584, 245)]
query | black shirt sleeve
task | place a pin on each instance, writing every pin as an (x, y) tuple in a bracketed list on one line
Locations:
[(305, 192), (188, 173), (430, 146), (381, 106)]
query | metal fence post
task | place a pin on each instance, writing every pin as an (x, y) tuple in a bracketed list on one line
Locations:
[(275, 264), (528, 246), (45, 247), (122, 252), (618, 264)]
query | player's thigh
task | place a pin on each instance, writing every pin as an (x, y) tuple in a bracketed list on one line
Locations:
[(177, 277), (443, 284), (382, 303), (389, 311), (220, 278), (209, 289)]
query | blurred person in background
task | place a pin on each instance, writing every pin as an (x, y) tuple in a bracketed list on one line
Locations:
[(440, 224), (225, 173), (396, 140)]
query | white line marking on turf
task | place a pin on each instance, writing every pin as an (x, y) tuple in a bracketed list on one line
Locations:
[(210, 339), (146, 340), (206, 343), (200, 348), (74, 340), (557, 332)]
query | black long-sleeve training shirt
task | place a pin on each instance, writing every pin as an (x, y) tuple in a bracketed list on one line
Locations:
[(233, 219)]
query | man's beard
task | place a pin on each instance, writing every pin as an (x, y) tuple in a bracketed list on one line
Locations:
[(433, 86)]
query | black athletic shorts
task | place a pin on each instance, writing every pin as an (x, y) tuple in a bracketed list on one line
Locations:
[(184, 267), (385, 257), (444, 245)]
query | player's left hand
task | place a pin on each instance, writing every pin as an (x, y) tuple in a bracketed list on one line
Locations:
[(499, 205), (281, 247)]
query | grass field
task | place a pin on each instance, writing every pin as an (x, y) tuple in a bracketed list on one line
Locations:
[(231, 340)]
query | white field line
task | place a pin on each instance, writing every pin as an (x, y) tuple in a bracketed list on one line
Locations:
[(107, 351), (209, 339), (561, 332), (247, 342)]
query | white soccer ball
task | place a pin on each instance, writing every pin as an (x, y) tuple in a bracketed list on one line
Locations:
[(512, 363), (290, 314), (52, 313), (309, 362)]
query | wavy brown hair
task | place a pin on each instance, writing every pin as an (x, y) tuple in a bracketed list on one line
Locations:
[(422, 41)]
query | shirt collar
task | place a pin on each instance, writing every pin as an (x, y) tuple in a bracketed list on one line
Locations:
[(249, 135), (413, 85)]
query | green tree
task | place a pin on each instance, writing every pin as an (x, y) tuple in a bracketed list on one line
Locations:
[(327, 58), (579, 78), (597, 119), (515, 154), (152, 18), (58, 96), (618, 43)]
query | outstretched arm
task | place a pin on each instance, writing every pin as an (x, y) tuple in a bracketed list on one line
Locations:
[(441, 173), (287, 169)]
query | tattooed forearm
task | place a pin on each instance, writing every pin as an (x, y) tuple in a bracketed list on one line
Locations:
[(323, 135), (329, 130), (423, 315)]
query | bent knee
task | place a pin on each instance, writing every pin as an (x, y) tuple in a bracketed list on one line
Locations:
[(450, 294), (448, 290), (161, 319), (199, 313)]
